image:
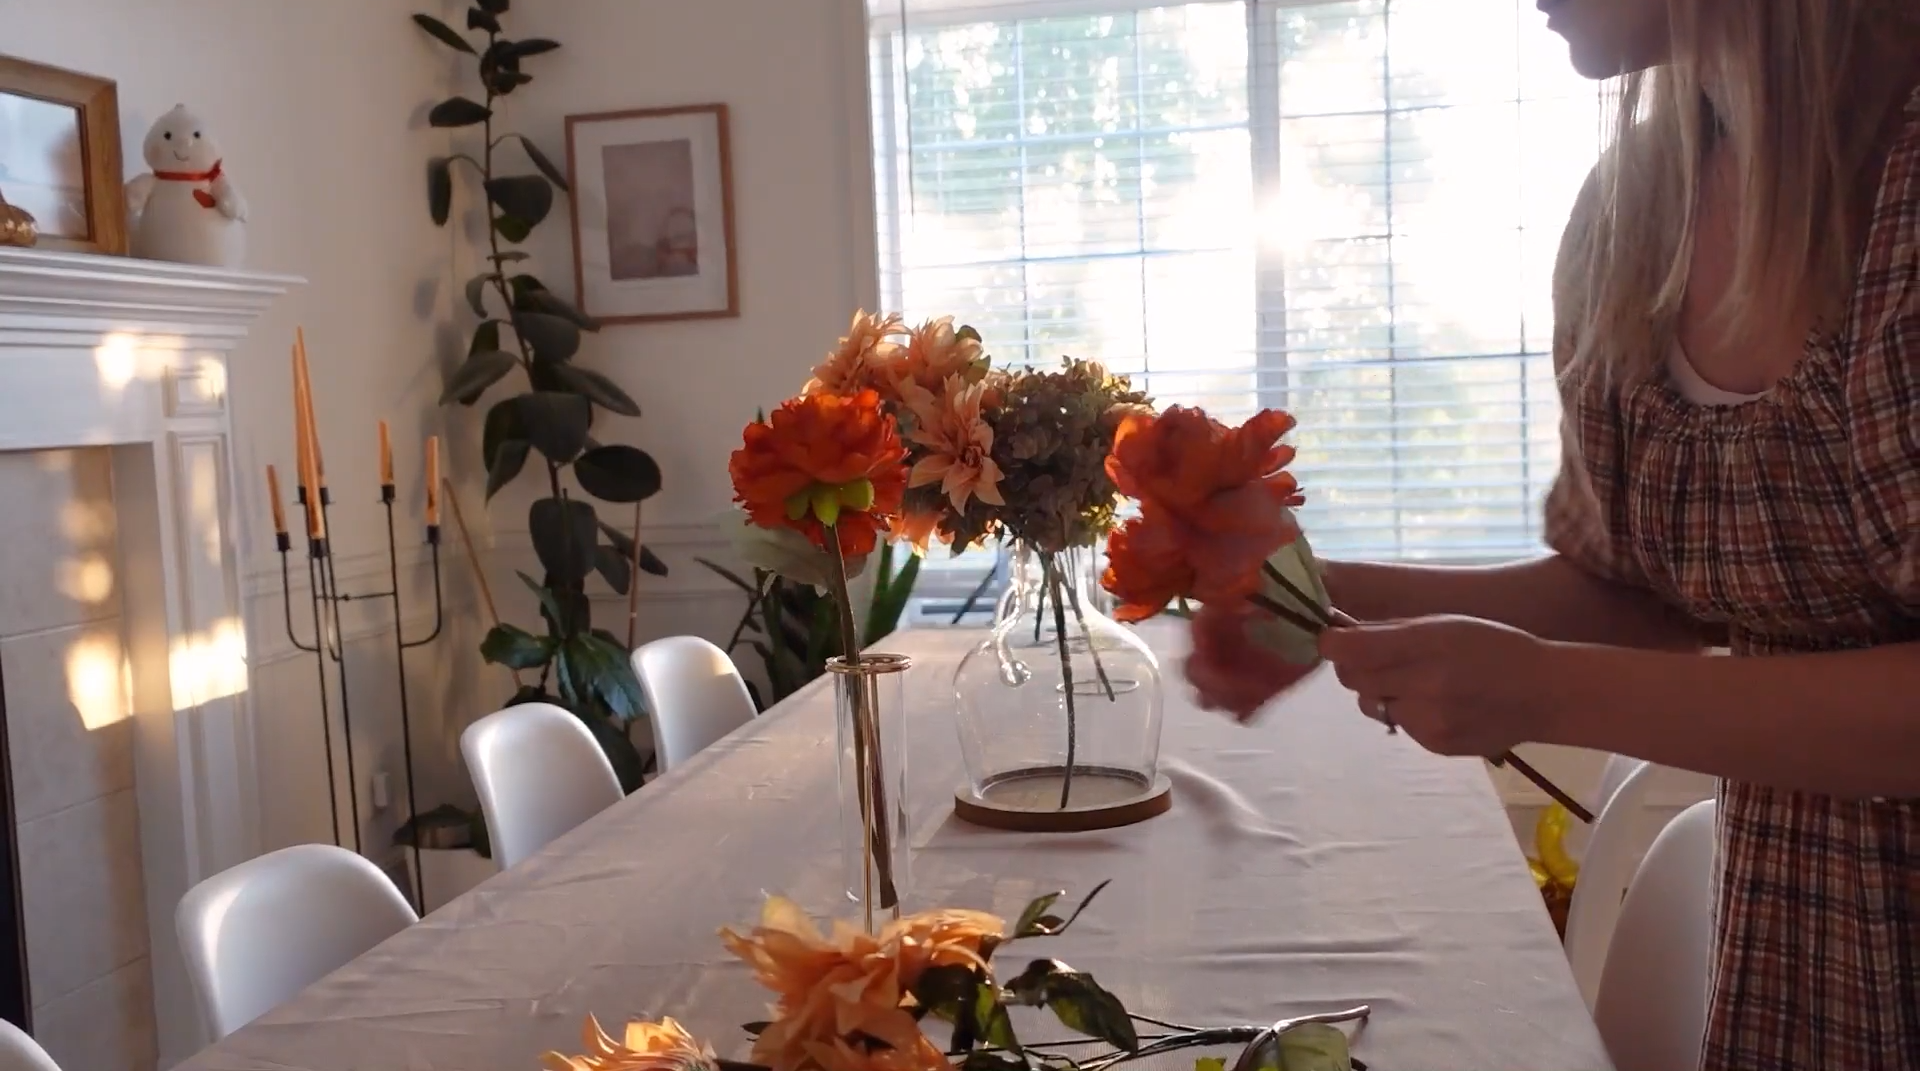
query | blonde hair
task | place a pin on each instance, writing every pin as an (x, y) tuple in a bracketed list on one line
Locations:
[(1799, 92)]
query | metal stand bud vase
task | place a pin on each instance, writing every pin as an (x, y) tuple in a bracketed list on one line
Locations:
[(874, 832), (1059, 710)]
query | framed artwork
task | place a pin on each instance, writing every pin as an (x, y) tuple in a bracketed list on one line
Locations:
[(653, 214), (60, 156)]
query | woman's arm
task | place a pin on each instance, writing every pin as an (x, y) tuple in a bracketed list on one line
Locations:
[(1845, 723), (1549, 597)]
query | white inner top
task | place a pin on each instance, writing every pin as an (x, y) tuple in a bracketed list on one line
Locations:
[(1694, 388)]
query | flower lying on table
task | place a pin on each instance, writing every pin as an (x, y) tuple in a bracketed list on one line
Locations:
[(852, 1001)]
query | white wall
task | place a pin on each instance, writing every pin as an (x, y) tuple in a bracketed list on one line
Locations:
[(321, 111), (792, 73)]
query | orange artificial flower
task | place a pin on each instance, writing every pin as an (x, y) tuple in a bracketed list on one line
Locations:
[(936, 351), (1231, 668), (916, 529), (959, 445), (661, 1046), (1146, 569), (865, 357), (1222, 496), (841, 1056), (823, 461), (829, 988)]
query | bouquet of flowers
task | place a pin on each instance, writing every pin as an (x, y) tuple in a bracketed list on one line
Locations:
[(1216, 526), (853, 1001)]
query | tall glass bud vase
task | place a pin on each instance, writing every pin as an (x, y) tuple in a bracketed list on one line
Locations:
[(874, 829), (1059, 710)]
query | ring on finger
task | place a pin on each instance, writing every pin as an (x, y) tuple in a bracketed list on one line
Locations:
[(1383, 712)]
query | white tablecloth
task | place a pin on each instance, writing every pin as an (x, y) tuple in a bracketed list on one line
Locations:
[(1310, 863)]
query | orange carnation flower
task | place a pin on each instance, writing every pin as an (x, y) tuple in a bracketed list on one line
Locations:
[(935, 352), (865, 357), (1146, 569), (829, 988), (1220, 498), (823, 461), (661, 1046)]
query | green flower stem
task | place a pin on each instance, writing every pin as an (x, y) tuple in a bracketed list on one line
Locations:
[(1287, 614), (1312, 604), (1051, 567), (866, 745)]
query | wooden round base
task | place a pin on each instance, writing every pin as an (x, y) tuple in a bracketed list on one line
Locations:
[(996, 811)]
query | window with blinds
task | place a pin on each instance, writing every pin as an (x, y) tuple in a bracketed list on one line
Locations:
[(1347, 210)]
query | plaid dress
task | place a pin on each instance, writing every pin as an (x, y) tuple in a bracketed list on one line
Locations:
[(1794, 520)]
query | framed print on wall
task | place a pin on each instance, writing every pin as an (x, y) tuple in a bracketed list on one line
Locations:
[(60, 156), (653, 214)]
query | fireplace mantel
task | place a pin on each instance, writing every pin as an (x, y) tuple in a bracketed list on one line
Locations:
[(132, 356)]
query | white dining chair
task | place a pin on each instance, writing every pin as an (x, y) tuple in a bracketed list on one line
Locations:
[(539, 773), (18, 1052), (1607, 863), (1652, 1004), (258, 933), (694, 695)]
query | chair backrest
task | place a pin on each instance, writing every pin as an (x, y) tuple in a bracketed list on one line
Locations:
[(1606, 869), (18, 1052), (539, 773), (694, 695), (257, 934), (1652, 1005), (1612, 776)]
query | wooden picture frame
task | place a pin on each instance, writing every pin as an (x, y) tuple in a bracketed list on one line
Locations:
[(652, 209), (90, 217)]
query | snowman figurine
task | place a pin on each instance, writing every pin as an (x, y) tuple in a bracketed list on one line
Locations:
[(188, 209)]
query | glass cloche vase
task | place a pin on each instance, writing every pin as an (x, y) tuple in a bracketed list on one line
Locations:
[(1059, 709)]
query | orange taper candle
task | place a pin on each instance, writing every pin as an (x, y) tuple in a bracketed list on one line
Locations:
[(433, 481), (273, 494), (300, 369), (386, 455)]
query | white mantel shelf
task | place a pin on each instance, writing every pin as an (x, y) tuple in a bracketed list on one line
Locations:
[(132, 355), (69, 286)]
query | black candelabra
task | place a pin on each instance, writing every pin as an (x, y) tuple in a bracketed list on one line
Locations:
[(329, 648)]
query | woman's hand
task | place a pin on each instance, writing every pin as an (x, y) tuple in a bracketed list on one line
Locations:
[(1458, 685)]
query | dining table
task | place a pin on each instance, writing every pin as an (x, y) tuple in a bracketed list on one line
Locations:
[(1311, 862)]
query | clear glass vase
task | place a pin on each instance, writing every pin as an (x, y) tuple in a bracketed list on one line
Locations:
[(1059, 708), (874, 827)]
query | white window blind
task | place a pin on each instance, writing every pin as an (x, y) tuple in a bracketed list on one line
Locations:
[(1348, 210)]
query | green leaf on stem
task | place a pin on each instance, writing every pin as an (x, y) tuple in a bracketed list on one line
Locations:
[(477, 293), (1028, 925), (730, 577), (991, 1023), (1210, 1063), (613, 567), (503, 444), (1311, 1047), (542, 161), (597, 389), (549, 607), (476, 374), (458, 112), (994, 1060), (445, 33), (604, 666), (509, 256), (556, 423), (553, 338), (944, 990), (512, 228), (440, 189), (618, 474), (515, 648), (528, 197), (563, 533), (494, 7), (485, 337), (1081, 1005), (532, 46), (650, 562), (536, 298), (482, 19)]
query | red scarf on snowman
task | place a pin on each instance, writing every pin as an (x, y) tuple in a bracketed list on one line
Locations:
[(206, 199)]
